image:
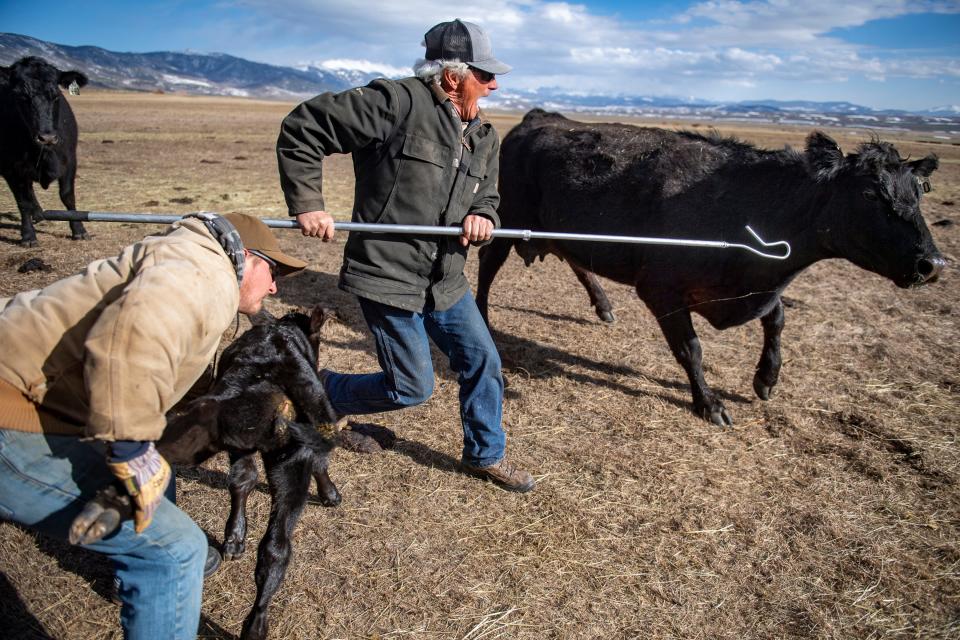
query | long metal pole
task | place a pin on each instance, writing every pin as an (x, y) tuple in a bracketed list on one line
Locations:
[(411, 229)]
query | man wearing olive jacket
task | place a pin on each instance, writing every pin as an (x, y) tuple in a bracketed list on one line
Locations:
[(89, 367), (422, 155)]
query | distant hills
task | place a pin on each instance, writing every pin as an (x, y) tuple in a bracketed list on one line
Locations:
[(226, 75), (204, 74)]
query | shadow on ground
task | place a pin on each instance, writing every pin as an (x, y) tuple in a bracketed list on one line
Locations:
[(311, 288)]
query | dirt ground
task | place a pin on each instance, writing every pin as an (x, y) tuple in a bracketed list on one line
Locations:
[(831, 511)]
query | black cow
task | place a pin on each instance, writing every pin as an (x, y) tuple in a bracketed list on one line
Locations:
[(268, 400), (38, 138), (561, 175)]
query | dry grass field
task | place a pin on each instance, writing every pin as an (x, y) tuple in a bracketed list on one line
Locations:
[(831, 511)]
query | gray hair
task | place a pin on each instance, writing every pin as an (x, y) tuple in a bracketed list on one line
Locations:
[(432, 70)]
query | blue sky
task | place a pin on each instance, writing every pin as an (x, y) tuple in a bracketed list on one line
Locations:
[(884, 54)]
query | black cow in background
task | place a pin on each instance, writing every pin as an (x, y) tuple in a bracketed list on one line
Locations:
[(38, 138), (560, 175)]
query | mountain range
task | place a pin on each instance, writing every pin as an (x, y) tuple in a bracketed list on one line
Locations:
[(222, 74)]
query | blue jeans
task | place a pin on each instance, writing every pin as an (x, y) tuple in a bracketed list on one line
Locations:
[(406, 378), (44, 482)]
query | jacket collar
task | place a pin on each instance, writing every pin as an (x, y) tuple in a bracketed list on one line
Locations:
[(208, 239), (439, 95)]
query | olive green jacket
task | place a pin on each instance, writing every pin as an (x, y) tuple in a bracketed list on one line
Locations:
[(414, 164)]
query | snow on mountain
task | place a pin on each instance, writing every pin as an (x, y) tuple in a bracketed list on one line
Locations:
[(207, 74), (222, 74), (354, 73)]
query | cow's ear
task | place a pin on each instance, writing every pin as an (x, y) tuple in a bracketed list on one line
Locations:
[(823, 155), (69, 77), (924, 166)]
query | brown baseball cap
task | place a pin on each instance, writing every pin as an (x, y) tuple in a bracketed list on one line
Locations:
[(257, 236)]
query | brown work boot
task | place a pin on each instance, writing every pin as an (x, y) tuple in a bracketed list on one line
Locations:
[(504, 474)]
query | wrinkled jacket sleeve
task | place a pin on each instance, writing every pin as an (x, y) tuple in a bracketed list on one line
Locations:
[(330, 123), (137, 349)]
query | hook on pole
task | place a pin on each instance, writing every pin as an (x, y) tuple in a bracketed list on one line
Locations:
[(756, 236)]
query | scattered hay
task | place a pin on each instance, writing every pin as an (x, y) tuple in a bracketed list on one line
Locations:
[(830, 511)]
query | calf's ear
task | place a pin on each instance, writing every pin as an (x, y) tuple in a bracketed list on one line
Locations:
[(924, 166), (318, 317), (823, 155), (69, 77)]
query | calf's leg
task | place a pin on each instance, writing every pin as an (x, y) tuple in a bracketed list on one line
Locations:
[(598, 297), (289, 475), (243, 479), (304, 388), (320, 447), (329, 495), (678, 329), (768, 368)]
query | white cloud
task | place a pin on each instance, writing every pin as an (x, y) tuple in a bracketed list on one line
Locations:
[(746, 43), (561, 12)]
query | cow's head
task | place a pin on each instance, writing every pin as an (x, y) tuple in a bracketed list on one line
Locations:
[(35, 90), (874, 217)]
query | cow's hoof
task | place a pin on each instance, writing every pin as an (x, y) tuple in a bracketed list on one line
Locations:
[(763, 388), (232, 548), (93, 523), (329, 498), (100, 517), (716, 413), (28, 243), (606, 316), (80, 236), (255, 626)]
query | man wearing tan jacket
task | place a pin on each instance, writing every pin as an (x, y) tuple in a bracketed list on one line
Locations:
[(88, 369)]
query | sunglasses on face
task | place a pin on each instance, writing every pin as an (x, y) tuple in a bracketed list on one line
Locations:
[(271, 263), (483, 76)]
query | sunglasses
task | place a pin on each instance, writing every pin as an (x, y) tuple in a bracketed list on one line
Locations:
[(271, 263), (483, 76)]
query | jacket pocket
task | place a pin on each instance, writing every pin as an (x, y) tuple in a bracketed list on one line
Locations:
[(425, 149), (469, 187), (478, 167)]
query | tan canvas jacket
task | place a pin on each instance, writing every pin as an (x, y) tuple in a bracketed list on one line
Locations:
[(113, 348)]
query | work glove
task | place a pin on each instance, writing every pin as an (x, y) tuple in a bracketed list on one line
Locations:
[(145, 478)]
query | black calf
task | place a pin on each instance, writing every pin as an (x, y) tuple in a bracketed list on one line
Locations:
[(267, 399)]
